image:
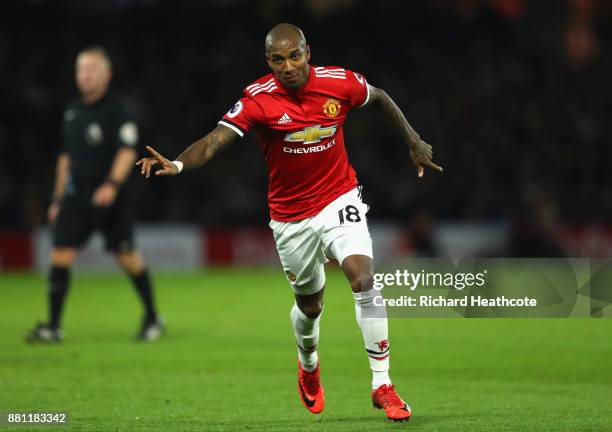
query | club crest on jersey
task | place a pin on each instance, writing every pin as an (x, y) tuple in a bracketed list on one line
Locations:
[(331, 108), (311, 134), (291, 276)]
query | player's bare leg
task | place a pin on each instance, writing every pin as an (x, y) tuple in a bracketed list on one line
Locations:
[(133, 264), (61, 259), (305, 316), (131, 261), (372, 321), (63, 256)]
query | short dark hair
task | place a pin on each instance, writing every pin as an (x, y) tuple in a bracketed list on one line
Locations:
[(97, 49)]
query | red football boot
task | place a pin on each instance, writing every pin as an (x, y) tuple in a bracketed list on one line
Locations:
[(310, 389), (386, 397)]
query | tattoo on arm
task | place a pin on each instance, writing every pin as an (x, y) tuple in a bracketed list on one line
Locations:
[(382, 102), (204, 149)]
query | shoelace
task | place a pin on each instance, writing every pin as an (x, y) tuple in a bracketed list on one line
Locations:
[(311, 382), (390, 396)]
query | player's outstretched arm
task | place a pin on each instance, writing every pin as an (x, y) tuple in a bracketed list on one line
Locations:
[(420, 152), (196, 155)]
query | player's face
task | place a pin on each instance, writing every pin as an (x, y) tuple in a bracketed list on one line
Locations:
[(93, 73), (289, 62)]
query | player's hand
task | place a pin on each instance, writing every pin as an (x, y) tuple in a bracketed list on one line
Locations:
[(52, 212), (105, 195), (168, 168), (421, 155)]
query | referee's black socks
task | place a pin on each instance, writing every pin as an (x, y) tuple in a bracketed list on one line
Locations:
[(142, 283), (59, 278)]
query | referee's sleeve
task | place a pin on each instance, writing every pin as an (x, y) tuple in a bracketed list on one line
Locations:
[(68, 118), (127, 129)]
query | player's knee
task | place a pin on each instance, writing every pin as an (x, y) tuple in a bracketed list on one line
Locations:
[(312, 310), (131, 261), (362, 282), (63, 257)]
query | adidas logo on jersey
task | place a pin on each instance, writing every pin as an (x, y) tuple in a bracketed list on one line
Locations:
[(284, 119)]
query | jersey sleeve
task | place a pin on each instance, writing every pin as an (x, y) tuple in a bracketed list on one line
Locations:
[(242, 116), (127, 129), (357, 88), (69, 114)]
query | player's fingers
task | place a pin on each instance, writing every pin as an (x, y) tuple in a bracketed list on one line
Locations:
[(144, 169), (145, 163), (419, 169), (154, 153), (165, 171), (142, 163), (147, 167), (150, 166), (430, 164)]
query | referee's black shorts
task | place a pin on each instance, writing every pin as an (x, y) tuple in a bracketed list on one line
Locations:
[(78, 218)]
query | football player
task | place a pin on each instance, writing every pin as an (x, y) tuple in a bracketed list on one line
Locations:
[(297, 112)]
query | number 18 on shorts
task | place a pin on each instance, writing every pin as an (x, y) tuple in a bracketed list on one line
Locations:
[(338, 231)]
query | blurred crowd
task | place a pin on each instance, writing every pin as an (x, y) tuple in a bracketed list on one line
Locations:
[(514, 95)]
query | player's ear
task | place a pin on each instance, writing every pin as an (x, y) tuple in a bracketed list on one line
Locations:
[(267, 56), (307, 53)]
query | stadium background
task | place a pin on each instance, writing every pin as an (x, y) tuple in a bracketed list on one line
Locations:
[(512, 94)]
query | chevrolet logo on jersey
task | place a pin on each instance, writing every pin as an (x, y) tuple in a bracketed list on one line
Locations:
[(311, 134)]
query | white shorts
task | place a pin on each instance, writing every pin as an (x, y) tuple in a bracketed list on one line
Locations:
[(338, 231)]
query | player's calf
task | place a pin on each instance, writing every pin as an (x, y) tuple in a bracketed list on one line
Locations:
[(306, 331)]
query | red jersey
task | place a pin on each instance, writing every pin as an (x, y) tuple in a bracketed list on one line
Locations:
[(300, 133)]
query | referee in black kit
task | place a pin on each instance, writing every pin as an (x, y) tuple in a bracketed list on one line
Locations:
[(99, 151)]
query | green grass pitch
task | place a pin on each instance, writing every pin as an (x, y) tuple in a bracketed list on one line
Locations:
[(228, 362)]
